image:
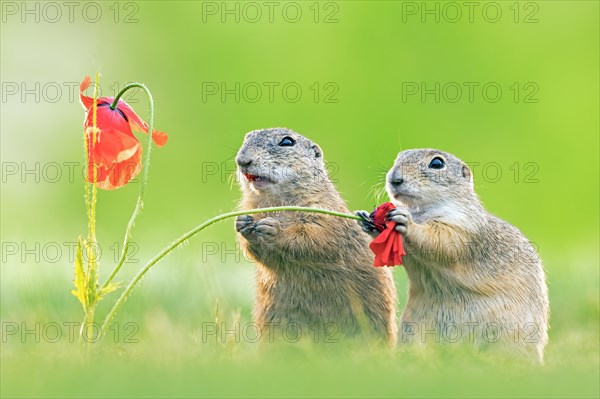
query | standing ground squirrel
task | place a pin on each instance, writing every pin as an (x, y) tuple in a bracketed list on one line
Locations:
[(472, 277), (313, 270)]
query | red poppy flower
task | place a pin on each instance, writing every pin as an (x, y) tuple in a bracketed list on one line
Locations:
[(116, 152), (387, 246)]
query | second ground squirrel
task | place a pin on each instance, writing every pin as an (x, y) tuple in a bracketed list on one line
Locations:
[(472, 276)]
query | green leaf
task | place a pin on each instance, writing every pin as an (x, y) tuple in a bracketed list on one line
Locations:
[(80, 290), (106, 290), (92, 272)]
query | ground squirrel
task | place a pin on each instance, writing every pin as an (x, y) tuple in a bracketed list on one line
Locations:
[(472, 276), (313, 270)]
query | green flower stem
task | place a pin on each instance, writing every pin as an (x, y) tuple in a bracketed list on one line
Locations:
[(90, 202), (199, 228), (140, 201), (88, 326)]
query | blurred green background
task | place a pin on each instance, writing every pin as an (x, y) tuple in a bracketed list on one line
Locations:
[(534, 149)]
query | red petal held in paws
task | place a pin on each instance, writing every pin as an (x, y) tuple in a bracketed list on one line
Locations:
[(387, 247)]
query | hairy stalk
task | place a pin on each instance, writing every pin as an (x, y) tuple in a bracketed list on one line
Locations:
[(88, 211), (92, 266), (197, 229), (140, 200)]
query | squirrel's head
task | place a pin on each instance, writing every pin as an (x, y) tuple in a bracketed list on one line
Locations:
[(422, 178), (273, 161)]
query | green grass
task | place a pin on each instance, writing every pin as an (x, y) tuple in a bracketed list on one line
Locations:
[(170, 356), (195, 372)]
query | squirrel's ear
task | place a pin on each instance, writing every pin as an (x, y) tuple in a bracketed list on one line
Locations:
[(466, 172), (317, 150)]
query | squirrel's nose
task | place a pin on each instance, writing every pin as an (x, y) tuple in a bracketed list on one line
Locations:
[(396, 181), (243, 160)]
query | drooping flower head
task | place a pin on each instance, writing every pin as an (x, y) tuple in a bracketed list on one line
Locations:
[(114, 149)]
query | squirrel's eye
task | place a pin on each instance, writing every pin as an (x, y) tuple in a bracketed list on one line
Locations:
[(437, 163), (287, 142)]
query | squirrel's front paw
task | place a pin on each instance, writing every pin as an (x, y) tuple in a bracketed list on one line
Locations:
[(244, 225), (267, 229), (402, 218), (366, 224)]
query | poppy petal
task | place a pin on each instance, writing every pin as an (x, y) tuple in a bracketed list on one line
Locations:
[(160, 138), (387, 246), (118, 174), (117, 156), (138, 124), (122, 172), (114, 146), (107, 118), (85, 100)]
